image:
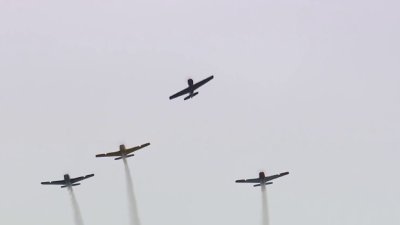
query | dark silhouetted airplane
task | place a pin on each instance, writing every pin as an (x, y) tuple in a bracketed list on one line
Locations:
[(123, 152), (192, 87), (262, 179), (68, 182)]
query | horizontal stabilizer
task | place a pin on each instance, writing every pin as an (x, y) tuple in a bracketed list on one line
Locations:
[(191, 96), (257, 185), (194, 94), (127, 156), (64, 186)]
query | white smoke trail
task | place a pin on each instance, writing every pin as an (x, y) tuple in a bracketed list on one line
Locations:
[(75, 207), (264, 201), (133, 210)]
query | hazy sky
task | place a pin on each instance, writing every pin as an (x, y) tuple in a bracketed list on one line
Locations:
[(306, 86)]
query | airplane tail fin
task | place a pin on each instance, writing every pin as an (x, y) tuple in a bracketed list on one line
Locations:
[(257, 185), (127, 156)]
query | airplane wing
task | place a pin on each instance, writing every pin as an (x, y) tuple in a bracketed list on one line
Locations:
[(255, 180), (110, 154), (74, 180), (57, 182), (130, 150), (276, 176), (184, 91), (201, 83)]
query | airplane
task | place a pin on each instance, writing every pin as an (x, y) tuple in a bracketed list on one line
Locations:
[(262, 179), (192, 87), (68, 182), (123, 152)]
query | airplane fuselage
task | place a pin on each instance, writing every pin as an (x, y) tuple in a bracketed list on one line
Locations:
[(190, 82), (122, 150), (261, 175), (124, 153), (191, 87), (263, 180), (67, 180)]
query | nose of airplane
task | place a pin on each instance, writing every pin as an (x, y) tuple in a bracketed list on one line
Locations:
[(190, 82)]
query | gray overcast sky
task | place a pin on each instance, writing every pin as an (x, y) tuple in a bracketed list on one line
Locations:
[(310, 87)]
